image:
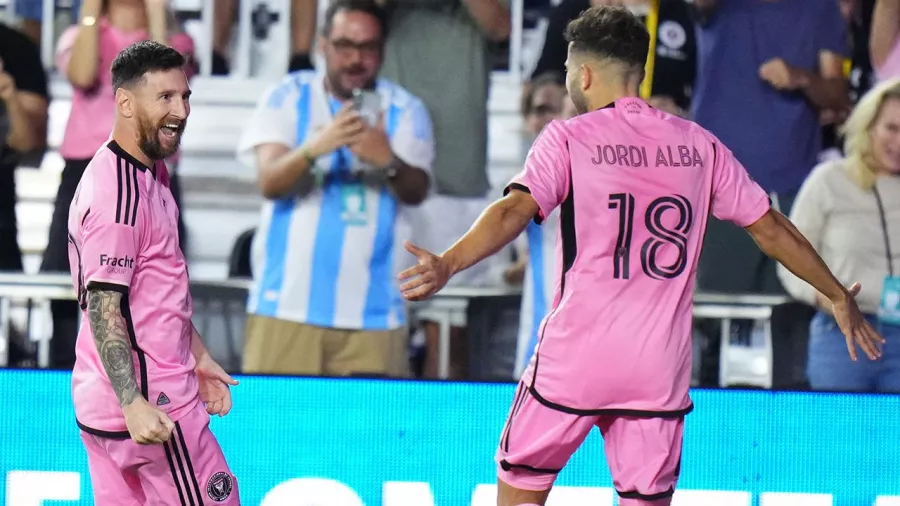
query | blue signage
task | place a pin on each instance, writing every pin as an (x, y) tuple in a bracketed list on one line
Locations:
[(348, 442)]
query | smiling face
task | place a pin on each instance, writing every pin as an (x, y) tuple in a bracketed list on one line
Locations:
[(885, 137), (161, 109), (352, 50)]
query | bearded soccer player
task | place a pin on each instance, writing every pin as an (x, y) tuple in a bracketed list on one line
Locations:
[(635, 187), (144, 384)]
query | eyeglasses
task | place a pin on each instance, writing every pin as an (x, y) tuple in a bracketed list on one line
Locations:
[(345, 47)]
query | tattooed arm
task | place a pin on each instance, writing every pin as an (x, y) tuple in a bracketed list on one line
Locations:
[(146, 424), (113, 344)]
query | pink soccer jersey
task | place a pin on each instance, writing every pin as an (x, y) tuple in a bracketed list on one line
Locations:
[(123, 236), (635, 186)]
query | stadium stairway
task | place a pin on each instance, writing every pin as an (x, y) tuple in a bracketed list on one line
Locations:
[(220, 195)]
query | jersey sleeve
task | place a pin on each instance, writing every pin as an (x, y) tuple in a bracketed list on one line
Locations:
[(547, 170), (274, 121), (111, 239), (736, 197), (413, 139)]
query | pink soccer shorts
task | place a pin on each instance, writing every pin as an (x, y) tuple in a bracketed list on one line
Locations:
[(643, 454), (189, 469)]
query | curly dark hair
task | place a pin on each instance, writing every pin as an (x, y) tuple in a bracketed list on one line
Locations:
[(610, 33)]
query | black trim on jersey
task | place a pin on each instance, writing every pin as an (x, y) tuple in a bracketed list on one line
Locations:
[(84, 218), (121, 153), (569, 252), (81, 294), (506, 466), (142, 359), (633, 494), (104, 285), (522, 188), (637, 413), (103, 433), (187, 459)]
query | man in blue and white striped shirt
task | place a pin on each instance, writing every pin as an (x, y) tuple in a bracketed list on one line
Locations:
[(325, 299)]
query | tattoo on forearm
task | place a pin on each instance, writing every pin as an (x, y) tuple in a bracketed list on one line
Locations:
[(113, 345)]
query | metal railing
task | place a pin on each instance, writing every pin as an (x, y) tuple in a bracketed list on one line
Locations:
[(446, 304)]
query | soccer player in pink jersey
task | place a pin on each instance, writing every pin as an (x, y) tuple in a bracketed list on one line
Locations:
[(635, 187), (142, 374)]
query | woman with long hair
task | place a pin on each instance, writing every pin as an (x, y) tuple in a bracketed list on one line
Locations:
[(85, 53), (849, 209)]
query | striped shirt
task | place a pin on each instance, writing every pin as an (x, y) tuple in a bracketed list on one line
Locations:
[(330, 257), (539, 286)]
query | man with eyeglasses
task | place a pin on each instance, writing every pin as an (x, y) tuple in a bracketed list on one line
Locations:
[(341, 157)]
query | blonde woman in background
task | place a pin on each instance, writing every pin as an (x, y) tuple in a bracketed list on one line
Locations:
[(849, 209)]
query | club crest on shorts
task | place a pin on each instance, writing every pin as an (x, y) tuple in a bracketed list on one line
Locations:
[(219, 486)]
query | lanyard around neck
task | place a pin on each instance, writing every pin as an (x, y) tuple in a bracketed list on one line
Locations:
[(884, 229)]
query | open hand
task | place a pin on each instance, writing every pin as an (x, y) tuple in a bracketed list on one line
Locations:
[(426, 278), (215, 386), (854, 326)]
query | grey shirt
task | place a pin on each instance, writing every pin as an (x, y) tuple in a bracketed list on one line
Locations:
[(843, 223), (437, 52)]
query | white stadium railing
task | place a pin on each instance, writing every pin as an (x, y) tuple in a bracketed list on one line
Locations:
[(45, 287)]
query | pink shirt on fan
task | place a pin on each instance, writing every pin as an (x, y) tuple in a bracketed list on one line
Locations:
[(890, 68), (635, 187), (123, 236), (93, 111)]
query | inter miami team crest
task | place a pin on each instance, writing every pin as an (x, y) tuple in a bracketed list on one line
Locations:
[(219, 486)]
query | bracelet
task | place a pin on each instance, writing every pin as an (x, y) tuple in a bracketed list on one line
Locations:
[(311, 160)]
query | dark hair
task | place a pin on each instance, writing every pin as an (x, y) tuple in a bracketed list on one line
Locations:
[(610, 33), (136, 60), (366, 6), (545, 79)]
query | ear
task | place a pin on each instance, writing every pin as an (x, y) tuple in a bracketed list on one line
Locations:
[(125, 102), (587, 77)]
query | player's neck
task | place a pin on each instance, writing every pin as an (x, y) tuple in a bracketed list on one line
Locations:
[(603, 98), (128, 142)]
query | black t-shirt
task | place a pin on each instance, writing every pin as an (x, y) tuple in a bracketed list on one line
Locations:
[(676, 47), (22, 61)]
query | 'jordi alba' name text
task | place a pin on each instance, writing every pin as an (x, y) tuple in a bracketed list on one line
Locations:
[(633, 156)]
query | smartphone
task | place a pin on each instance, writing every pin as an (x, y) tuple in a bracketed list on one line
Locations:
[(368, 104)]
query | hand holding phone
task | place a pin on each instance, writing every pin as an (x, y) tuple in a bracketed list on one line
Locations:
[(367, 104)]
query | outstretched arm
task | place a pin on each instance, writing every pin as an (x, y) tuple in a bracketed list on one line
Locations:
[(113, 344), (778, 238), (497, 226)]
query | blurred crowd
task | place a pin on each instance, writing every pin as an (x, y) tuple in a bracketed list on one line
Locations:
[(387, 141)]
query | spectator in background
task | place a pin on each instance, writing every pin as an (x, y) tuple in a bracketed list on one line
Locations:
[(849, 209), (885, 43), (84, 54), (23, 130), (767, 70), (544, 101), (439, 51), (31, 12), (858, 15), (675, 59), (302, 30), (324, 298)]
